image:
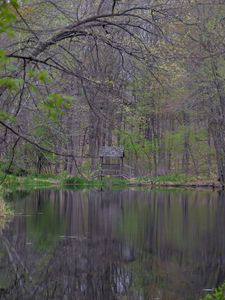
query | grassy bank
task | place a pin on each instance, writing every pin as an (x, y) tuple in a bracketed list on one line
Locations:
[(177, 181), (48, 180)]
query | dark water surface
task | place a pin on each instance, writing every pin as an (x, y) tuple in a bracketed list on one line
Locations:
[(128, 244)]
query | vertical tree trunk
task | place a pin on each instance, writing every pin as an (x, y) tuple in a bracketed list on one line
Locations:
[(186, 155), (209, 164), (218, 133), (92, 137)]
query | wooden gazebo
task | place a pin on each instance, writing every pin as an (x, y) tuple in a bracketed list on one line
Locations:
[(111, 161)]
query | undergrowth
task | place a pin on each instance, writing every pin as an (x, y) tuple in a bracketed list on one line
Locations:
[(217, 294)]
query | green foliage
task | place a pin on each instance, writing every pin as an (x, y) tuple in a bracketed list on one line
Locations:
[(7, 19), (9, 180), (134, 143), (14, 170), (3, 58), (86, 168), (4, 116), (55, 105), (11, 83), (40, 131), (42, 75), (75, 181), (20, 178), (112, 182), (107, 182), (218, 294), (175, 139), (7, 16)]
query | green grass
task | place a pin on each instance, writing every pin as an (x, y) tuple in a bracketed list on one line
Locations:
[(70, 180), (9, 179), (13, 181), (37, 180), (172, 179), (107, 182), (62, 180), (112, 181)]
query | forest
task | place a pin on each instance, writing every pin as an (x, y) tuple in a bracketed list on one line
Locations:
[(87, 86), (145, 74)]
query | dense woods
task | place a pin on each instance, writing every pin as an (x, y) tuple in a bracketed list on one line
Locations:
[(78, 75)]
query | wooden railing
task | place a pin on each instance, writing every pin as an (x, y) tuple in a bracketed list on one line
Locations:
[(124, 171)]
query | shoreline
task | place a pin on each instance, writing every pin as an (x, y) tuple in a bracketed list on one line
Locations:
[(35, 182)]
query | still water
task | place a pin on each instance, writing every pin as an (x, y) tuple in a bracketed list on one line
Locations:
[(103, 245)]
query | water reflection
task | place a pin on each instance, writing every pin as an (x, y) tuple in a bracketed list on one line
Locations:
[(113, 245)]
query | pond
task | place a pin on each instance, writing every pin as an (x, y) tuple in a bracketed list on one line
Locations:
[(113, 244)]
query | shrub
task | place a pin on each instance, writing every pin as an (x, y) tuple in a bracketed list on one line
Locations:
[(75, 181), (217, 294), (13, 170)]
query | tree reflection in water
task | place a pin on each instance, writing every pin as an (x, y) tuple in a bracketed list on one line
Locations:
[(113, 245)]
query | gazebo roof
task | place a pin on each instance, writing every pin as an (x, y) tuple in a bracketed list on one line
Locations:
[(111, 151)]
